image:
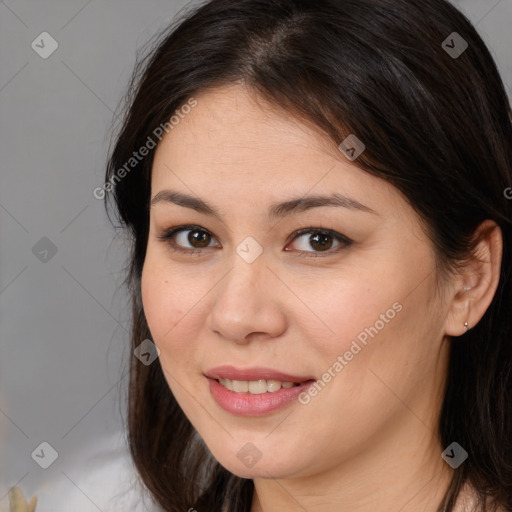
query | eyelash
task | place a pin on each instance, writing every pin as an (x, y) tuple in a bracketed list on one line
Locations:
[(345, 242)]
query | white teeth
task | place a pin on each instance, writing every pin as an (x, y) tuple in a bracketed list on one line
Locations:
[(240, 386), (273, 385), (256, 387), (227, 383)]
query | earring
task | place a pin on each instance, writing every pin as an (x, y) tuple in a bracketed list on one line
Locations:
[(465, 327)]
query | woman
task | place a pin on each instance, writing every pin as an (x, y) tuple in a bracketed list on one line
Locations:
[(316, 193)]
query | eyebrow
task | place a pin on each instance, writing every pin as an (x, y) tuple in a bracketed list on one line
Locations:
[(276, 210)]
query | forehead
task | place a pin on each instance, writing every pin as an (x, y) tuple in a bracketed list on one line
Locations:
[(240, 148), (234, 122)]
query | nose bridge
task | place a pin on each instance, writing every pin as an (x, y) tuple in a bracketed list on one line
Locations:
[(244, 284), (244, 301), (248, 268)]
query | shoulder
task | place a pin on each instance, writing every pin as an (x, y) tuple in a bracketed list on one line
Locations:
[(467, 501)]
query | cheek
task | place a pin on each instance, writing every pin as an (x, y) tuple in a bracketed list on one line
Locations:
[(173, 326), (164, 300), (343, 309), (375, 320), (383, 337)]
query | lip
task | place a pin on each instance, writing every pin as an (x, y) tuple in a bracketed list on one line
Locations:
[(255, 373), (247, 404)]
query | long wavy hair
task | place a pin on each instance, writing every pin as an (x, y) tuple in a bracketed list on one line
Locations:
[(437, 125)]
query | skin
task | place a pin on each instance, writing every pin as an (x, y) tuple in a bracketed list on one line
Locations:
[(368, 440)]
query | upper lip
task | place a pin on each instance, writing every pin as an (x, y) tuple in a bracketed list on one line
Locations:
[(252, 374)]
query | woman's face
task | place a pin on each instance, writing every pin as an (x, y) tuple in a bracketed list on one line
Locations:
[(351, 302)]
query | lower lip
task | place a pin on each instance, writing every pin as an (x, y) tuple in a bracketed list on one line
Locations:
[(247, 404)]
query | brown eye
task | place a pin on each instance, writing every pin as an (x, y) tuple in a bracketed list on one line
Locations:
[(310, 241), (199, 238), (188, 239), (320, 241)]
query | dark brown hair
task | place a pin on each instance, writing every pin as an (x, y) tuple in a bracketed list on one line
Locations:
[(435, 125)]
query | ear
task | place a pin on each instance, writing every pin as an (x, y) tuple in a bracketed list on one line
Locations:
[(475, 286)]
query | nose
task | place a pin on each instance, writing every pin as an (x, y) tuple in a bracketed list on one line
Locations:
[(245, 304)]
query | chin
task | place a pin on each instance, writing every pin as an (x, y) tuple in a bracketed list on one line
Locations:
[(259, 470), (248, 462)]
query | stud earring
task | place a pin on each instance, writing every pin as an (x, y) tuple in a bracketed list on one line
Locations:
[(466, 326)]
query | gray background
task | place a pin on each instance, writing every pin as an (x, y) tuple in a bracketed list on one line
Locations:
[(63, 322)]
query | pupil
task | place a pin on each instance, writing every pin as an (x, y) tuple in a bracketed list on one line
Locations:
[(202, 238), (320, 240)]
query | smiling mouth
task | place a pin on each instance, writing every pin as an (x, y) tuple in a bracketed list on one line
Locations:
[(256, 387), (265, 392)]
